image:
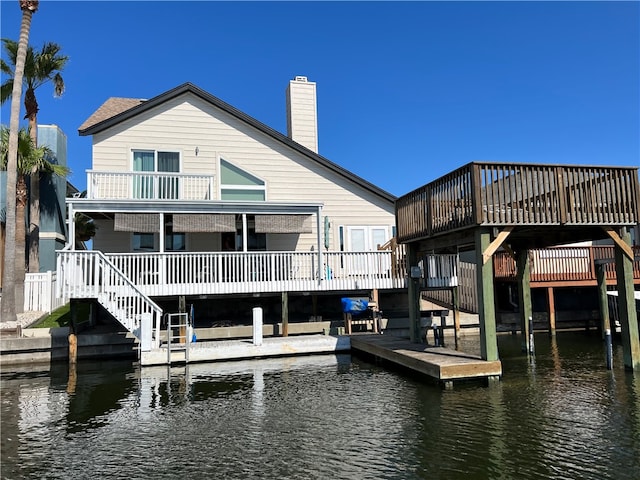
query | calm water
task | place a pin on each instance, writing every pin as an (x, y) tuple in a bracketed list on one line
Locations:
[(564, 417)]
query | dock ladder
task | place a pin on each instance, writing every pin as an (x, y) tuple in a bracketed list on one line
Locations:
[(177, 337)]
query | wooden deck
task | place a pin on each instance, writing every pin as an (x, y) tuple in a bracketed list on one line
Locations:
[(572, 202), (440, 363)]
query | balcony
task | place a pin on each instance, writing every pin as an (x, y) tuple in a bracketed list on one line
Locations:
[(148, 186)]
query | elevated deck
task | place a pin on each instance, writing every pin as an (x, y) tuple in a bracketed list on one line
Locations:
[(440, 363)]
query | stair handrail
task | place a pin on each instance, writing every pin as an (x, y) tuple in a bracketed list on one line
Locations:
[(102, 284)]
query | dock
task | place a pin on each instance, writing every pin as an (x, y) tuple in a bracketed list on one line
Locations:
[(221, 350), (442, 364)]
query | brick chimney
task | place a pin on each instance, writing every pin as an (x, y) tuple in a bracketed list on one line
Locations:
[(302, 113)]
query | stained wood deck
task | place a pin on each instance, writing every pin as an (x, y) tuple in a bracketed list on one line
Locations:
[(440, 363)]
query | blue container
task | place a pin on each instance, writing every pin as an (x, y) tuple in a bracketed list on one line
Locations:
[(354, 306)]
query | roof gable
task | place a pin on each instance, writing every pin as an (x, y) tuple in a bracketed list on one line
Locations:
[(117, 110)]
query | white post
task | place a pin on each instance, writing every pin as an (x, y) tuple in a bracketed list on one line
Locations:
[(146, 332), (257, 326)]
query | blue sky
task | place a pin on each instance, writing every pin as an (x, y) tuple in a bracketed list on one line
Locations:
[(407, 91)]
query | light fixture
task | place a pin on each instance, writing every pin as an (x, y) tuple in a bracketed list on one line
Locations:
[(197, 151)]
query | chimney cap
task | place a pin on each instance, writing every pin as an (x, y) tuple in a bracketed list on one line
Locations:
[(300, 78)]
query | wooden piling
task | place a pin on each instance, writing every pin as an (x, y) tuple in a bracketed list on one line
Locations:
[(285, 314), (551, 311)]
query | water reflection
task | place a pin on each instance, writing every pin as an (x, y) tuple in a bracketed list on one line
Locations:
[(565, 416)]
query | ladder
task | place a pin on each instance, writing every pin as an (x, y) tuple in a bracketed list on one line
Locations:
[(178, 337)]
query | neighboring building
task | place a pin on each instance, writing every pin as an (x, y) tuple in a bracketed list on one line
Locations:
[(195, 199), (53, 191)]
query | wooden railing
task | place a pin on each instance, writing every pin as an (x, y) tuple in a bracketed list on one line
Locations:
[(509, 194), (573, 265), (148, 186)]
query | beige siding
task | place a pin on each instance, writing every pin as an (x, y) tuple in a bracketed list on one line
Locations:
[(302, 118), (187, 122), (108, 241)]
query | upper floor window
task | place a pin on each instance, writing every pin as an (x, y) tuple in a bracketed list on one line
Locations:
[(239, 185), (155, 186)]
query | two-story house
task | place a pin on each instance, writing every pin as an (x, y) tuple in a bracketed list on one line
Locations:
[(197, 202)]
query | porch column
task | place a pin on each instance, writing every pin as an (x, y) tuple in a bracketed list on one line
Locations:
[(413, 290), (72, 227), (627, 305), (244, 232), (161, 245), (523, 277), (486, 306)]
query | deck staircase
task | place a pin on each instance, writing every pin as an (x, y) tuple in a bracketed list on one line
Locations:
[(90, 274)]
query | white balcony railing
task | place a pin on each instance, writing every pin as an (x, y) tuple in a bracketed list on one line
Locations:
[(148, 186)]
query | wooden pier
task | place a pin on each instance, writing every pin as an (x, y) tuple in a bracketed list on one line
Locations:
[(442, 364)]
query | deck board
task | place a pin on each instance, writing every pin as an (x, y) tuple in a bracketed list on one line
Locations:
[(440, 363)]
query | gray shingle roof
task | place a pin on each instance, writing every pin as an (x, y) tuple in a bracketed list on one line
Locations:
[(109, 109), (116, 110)]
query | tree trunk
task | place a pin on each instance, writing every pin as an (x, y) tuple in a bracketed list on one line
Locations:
[(8, 305), (34, 223), (21, 237), (34, 188)]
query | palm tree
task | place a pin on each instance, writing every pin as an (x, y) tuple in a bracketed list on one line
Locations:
[(30, 159), (9, 298), (40, 68)]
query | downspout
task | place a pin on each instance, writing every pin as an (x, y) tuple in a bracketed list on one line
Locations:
[(321, 268)]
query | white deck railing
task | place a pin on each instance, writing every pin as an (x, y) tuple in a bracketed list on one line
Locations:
[(162, 274), (148, 186)]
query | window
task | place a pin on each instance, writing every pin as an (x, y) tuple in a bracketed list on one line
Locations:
[(143, 242), (155, 186), (366, 239), (173, 241), (238, 185)]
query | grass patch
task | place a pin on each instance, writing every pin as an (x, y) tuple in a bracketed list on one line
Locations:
[(61, 317)]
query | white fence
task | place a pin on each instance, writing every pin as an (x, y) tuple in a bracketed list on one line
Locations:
[(40, 292)]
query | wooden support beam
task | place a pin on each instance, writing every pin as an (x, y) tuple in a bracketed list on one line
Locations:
[(603, 299), (73, 330), (456, 314), (285, 314), (413, 290), (627, 306), (493, 246), (524, 296), (486, 304), (620, 243), (551, 311)]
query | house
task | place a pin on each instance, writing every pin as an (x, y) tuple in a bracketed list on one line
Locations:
[(196, 202)]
